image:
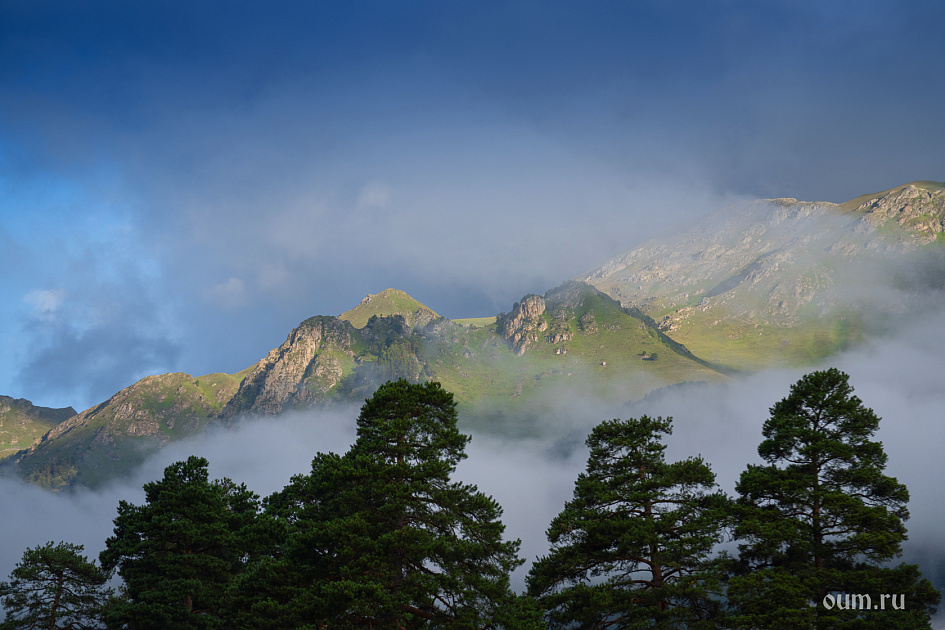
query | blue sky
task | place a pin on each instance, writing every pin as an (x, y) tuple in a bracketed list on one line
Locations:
[(181, 183)]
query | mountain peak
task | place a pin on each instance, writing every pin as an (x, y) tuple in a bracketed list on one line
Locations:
[(386, 303)]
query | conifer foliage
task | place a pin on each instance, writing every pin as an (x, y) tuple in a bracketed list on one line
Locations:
[(382, 538), (54, 587), (632, 548), (821, 517), (178, 553)]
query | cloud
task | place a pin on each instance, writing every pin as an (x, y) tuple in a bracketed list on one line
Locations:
[(82, 343), (374, 195), (229, 294), (45, 302), (317, 155)]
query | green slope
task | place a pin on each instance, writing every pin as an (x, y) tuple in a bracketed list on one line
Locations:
[(110, 439), (22, 422), (386, 303), (575, 341), (783, 283), (584, 340)]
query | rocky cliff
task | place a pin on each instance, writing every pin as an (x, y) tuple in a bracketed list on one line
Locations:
[(300, 372), (523, 325)]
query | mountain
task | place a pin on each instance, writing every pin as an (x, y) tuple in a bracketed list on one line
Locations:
[(782, 282), (573, 336), (111, 438), (772, 282), (386, 303), (22, 422)]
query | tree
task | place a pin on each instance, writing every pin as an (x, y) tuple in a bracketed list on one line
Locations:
[(821, 517), (178, 553), (54, 587), (382, 538), (633, 548)]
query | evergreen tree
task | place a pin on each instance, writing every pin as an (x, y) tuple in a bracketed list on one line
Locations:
[(822, 518), (178, 553), (382, 538), (633, 548), (53, 587)]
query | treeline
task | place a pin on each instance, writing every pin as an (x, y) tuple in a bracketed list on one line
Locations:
[(382, 538)]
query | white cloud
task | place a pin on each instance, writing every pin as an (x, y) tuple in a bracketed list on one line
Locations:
[(229, 294)]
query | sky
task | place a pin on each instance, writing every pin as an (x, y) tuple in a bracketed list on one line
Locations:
[(181, 183)]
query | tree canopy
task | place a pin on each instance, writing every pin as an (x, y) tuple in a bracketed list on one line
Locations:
[(632, 548), (178, 553), (382, 538), (55, 587), (821, 517)]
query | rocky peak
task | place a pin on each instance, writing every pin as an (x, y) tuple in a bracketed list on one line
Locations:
[(918, 208), (300, 371), (521, 327)]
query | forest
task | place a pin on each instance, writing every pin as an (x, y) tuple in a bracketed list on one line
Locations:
[(382, 536)]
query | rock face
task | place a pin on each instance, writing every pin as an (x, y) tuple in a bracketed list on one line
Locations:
[(917, 208), (524, 324), (298, 373)]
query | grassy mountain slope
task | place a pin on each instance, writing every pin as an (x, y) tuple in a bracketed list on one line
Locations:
[(21, 422), (573, 337), (110, 439), (781, 282), (386, 303)]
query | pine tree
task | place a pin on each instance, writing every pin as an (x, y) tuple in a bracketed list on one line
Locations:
[(382, 538), (821, 518), (633, 548), (178, 553), (54, 587)]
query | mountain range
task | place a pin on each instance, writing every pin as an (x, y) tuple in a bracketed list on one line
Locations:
[(774, 282), (784, 282)]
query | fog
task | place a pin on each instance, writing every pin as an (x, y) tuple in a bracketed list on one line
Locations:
[(899, 377)]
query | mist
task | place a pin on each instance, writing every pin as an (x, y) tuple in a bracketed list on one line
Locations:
[(532, 474)]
